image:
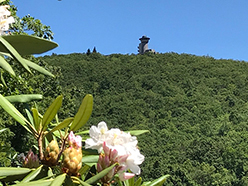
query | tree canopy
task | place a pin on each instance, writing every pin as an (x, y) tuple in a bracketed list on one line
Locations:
[(194, 106)]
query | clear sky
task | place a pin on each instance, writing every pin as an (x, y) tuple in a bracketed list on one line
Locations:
[(217, 28)]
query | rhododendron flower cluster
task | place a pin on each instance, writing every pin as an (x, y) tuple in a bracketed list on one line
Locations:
[(5, 19), (119, 142), (72, 161), (110, 157)]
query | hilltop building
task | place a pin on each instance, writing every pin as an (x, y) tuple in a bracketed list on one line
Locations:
[(143, 46)]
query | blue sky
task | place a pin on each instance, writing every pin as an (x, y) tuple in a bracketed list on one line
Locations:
[(200, 27)]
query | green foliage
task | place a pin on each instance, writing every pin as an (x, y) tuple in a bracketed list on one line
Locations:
[(195, 108)]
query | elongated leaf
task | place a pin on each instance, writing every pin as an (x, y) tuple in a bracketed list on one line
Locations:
[(37, 183), (6, 54), (84, 169), (38, 68), (2, 79), (50, 172), (2, 130), (90, 159), (11, 171), (131, 181), (83, 113), (158, 182), (82, 132), (63, 124), (6, 66), (100, 175), (126, 183), (59, 180), (14, 53), (78, 181), (30, 117), (8, 107), (24, 98), (120, 183), (137, 132), (51, 112), (33, 44), (32, 175), (138, 182), (36, 119)]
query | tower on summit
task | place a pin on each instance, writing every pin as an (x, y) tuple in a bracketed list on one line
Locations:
[(143, 46)]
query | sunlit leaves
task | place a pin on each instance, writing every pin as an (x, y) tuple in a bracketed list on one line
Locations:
[(24, 98), (10, 49), (6, 66), (12, 45), (59, 180), (83, 113), (62, 125), (8, 107), (33, 44), (51, 112)]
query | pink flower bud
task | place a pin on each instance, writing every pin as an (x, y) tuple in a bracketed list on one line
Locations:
[(125, 176)]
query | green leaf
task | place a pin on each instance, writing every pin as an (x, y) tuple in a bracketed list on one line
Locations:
[(138, 182), (36, 119), (63, 124), (82, 132), (30, 117), (50, 172), (38, 68), (158, 182), (137, 132), (126, 183), (59, 180), (37, 183), (100, 175), (13, 52), (8, 107), (84, 169), (78, 181), (2, 79), (2, 130), (90, 159), (6, 66), (24, 98), (33, 44), (51, 112), (83, 113), (131, 181), (120, 183), (32, 175), (12, 171)]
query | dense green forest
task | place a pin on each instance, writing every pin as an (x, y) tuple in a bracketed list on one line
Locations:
[(196, 108)]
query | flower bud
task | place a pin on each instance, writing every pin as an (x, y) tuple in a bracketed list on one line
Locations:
[(31, 160), (72, 161), (51, 153)]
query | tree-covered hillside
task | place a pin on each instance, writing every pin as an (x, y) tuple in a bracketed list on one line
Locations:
[(195, 108)]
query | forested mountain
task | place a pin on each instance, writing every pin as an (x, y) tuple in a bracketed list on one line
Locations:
[(195, 108)]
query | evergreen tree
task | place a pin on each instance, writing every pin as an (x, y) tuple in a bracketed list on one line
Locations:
[(94, 50), (88, 52)]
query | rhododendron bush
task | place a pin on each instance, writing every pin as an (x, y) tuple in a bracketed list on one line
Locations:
[(106, 157)]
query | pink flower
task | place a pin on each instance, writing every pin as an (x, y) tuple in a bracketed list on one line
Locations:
[(75, 141)]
